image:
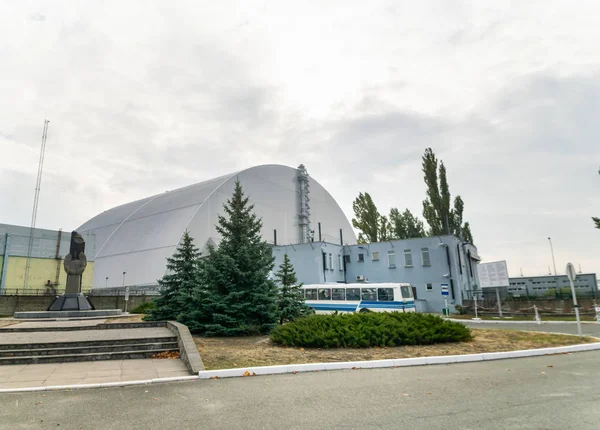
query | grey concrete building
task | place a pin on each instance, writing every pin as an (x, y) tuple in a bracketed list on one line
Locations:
[(426, 263), (586, 284)]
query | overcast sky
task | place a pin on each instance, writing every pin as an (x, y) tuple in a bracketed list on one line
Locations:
[(145, 98)]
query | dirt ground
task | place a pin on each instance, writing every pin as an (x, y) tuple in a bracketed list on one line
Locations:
[(127, 319), (6, 322), (223, 353)]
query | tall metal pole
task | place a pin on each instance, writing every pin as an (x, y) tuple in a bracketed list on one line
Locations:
[(552, 251), (36, 199)]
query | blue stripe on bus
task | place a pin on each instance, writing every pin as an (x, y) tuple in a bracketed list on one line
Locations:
[(325, 306)]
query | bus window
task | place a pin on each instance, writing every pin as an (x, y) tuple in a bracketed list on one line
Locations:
[(311, 294), (353, 294), (385, 294), (324, 294), (369, 293), (339, 294), (406, 292)]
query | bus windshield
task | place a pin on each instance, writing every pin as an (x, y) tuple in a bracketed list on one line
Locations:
[(406, 292)]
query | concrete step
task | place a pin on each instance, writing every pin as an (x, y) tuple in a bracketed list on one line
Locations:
[(65, 358), (36, 352), (88, 343)]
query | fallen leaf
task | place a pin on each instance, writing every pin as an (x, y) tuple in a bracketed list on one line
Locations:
[(430, 392), (38, 403), (549, 365), (145, 391), (543, 373), (155, 398), (214, 377), (405, 394), (246, 373), (294, 372), (301, 349), (234, 364), (508, 370)]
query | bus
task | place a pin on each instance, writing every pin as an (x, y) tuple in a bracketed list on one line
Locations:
[(389, 297)]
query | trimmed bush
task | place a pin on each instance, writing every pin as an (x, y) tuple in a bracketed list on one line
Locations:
[(363, 330), (144, 308)]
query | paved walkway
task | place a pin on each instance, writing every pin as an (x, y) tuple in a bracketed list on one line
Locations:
[(507, 394), (82, 335), (88, 372), (53, 324)]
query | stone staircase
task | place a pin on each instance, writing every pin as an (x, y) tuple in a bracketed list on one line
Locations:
[(104, 345)]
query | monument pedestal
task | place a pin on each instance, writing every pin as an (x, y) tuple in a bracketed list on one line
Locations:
[(71, 302)]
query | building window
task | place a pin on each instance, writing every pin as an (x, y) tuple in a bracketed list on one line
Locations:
[(391, 260), (347, 259), (429, 287), (407, 258), (360, 258), (425, 257), (375, 256), (340, 262)]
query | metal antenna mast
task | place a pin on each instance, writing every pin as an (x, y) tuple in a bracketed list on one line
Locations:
[(36, 199)]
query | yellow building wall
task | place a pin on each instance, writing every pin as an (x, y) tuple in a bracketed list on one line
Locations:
[(40, 271)]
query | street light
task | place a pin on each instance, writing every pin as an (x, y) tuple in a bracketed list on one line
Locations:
[(106, 282), (124, 278), (552, 251)]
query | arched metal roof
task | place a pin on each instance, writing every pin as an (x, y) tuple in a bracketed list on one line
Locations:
[(137, 237)]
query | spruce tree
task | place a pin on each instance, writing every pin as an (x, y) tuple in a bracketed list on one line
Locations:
[(179, 282), (242, 298), (291, 302)]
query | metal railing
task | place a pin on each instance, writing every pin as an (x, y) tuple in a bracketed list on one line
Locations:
[(153, 291)]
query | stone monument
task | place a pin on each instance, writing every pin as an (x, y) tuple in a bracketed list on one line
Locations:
[(74, 264)]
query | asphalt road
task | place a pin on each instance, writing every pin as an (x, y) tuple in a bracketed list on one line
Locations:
[(485, 395), (591, 329)]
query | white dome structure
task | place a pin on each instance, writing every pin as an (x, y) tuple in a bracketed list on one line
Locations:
[(137, 237)]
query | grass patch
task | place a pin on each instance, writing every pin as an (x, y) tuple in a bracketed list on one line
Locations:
[(364, 330), (144, 308), (224, 353)]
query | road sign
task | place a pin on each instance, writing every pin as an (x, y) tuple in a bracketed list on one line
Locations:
[(444, 289), (571, 274), (126, 293)]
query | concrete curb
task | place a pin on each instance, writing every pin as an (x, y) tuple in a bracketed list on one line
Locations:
[(401, 362), (101, 385), (517, 322)]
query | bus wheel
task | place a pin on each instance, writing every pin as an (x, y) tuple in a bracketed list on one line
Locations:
[(364, 310)]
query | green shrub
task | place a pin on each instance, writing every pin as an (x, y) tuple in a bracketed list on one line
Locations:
[(363, 330), (144, 308)]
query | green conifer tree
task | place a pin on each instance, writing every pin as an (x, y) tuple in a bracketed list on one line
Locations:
[(179, 282), (291, 302), (239, 294)]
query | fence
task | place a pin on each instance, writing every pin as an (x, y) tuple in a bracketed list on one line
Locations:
[(547, 308)]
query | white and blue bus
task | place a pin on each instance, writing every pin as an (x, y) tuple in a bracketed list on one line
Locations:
[(328, 298)]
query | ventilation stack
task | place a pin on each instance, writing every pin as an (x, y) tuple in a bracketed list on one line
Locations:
[(304, 216)]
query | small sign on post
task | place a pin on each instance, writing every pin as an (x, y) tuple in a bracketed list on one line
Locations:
[(445, 293)]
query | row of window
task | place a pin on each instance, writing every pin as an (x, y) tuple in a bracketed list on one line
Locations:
[(371, 294), (565, 281), (391, 255)]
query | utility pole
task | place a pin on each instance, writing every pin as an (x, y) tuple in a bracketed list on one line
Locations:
[(36, 199), (552, 251)]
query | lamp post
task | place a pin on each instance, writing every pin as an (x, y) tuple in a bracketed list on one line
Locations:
[(552, 251), (124, 273), (106, 285)]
